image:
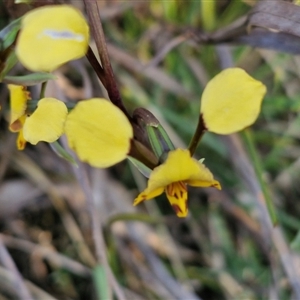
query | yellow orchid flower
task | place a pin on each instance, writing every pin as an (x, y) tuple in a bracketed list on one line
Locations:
[(51, 36), (46, 123), (99, 132), (231, 101), (173, 176)]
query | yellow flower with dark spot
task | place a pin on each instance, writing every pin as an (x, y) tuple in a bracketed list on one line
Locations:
[(51, 36), (99, 132), (231, 101), (46, 123), (173, 176)]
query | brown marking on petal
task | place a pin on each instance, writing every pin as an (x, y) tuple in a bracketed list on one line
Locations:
[(26, 93), (170, 189), (142, 198), (176, 189), (182, 185), (176, 209), (21, 145), (178, 195), (16, 126), (216, 185), (139, 199), (181, 189)]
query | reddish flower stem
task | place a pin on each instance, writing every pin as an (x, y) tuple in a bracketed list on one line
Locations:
[(109, 79), (90, 55), (200, 130)]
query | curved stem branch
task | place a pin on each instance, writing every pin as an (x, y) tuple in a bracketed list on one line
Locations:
[(98, 34), (200, 130)]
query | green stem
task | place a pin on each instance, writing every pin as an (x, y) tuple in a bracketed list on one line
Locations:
[(200, 130), (247, 133), (101, 282), (208, 13), (43, 89)]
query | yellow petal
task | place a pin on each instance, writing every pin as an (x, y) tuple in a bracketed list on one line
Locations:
[(200, 183), (47, 121), (18, 101), (51, 36), (99, 132), (147, 196), (231, 101)]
